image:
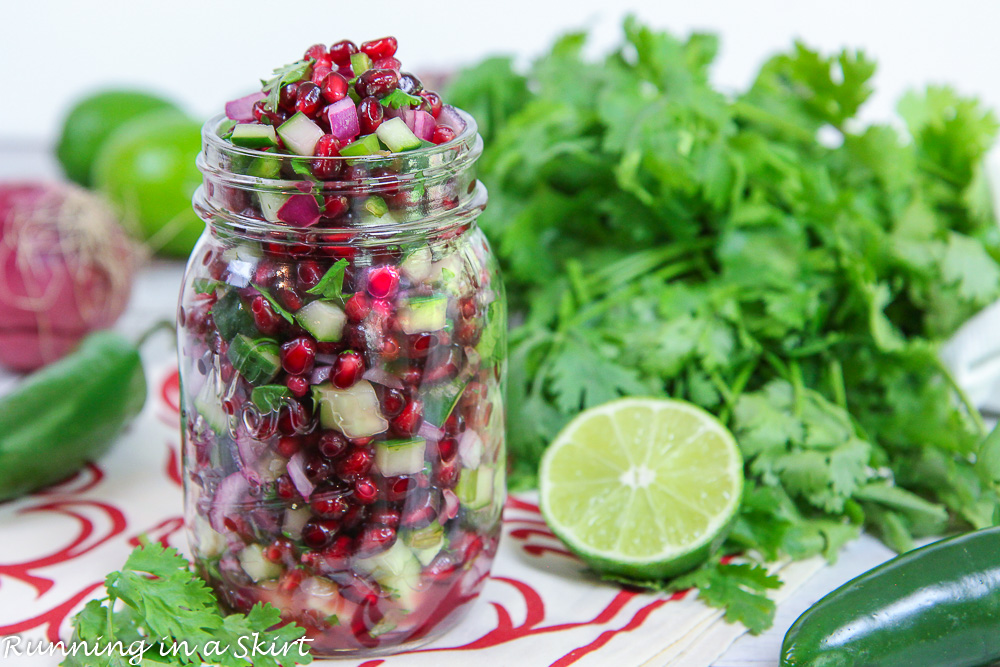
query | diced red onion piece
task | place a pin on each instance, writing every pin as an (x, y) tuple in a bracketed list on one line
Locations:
[(450, 509), (430, 431), (343, 117), (232, 492), (320, 374), (450, 118), (242, 109), (382, 377), (297, 472), (470, 449), (420, 123), (299, 211)]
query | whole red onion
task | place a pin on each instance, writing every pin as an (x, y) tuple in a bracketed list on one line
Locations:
[(66, 268)]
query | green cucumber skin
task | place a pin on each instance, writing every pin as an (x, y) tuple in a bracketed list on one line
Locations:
[(937, 606), (68, 413)]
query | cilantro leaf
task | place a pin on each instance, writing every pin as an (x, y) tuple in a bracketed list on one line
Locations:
[(278, 308), (331, 285)]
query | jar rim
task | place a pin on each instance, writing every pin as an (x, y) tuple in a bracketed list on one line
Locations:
[(467, 137)]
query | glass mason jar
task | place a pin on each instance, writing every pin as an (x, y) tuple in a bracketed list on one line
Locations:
[(342, 341)]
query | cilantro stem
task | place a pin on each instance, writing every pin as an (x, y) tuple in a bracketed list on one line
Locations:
[(799, 386), (837, 383), (753, 113), (970, 407)]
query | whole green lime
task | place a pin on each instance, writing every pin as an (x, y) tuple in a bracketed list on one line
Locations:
[(92, 120), (147, 167)]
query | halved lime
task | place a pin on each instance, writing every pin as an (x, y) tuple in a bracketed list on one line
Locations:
[(644, 488)]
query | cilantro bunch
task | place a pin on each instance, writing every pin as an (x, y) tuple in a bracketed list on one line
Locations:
[(156, 600), (762, 254)]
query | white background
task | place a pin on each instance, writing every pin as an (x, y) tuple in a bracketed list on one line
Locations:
[(203, 52)]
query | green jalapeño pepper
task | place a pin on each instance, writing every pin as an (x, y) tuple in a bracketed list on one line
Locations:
[(938, 606), (68, 413)]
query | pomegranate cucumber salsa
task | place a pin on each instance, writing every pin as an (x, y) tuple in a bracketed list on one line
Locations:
[(342, 355)]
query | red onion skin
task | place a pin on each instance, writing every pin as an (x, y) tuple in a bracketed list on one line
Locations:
[(242, 109), (50, 299)]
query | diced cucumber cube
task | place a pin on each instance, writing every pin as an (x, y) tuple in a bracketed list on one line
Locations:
[(265, 167), (323, 320), (397, 136), (258, 361), (256, 566), (360, 63), (295, 520), (475, 487), (300, 134), (354, 411), (425, 543), (270, 204), (232, 317), (210, 543), (417, 265), (376, 206), (424, 314), (208, 405), (254, 135), (366, 145), (400, 457), (397, 570)]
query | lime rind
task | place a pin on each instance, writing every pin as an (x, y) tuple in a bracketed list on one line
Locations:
[(642, 487)]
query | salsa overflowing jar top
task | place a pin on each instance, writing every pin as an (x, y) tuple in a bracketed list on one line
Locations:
[(342, 355)]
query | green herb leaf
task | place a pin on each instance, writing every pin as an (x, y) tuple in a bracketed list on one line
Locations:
[(331, 285), (398, 98), (270, 397), (274, 304)]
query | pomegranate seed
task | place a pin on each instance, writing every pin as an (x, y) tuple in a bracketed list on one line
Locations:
[(264, 317), (330, 506), (288, 446), (290, 580), (370, 115), (347, 369), (334, 87), (390, 349), (307, 98), (361, 442), (383, 281), (446, 475), (400, 487), (318, 470), (341, 548), (357, 307), (294, 418), (422, 344), (264, 115), (309, 274), (386, 516), (381, 308), (355, 465), (276, 551), (355, 516), (442, 135), (365, 490), (383, 47), (468, 333), (468, 547), (298, 385), (377, 82), (467, 307), (342, 50), (393, 402), (316, 51), (409, 83), (434, 100), (288, 95), (421, 509), (335, 206), (444, 367), (374, 539), (357, 336), (346, 71), (286, 490), (408, 422), (329, 348), (319, 74), (454, 424), (289, 298), (318, 534), (387, 63), (332, 445), (447, 448), (298, 355), (442, 568)]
